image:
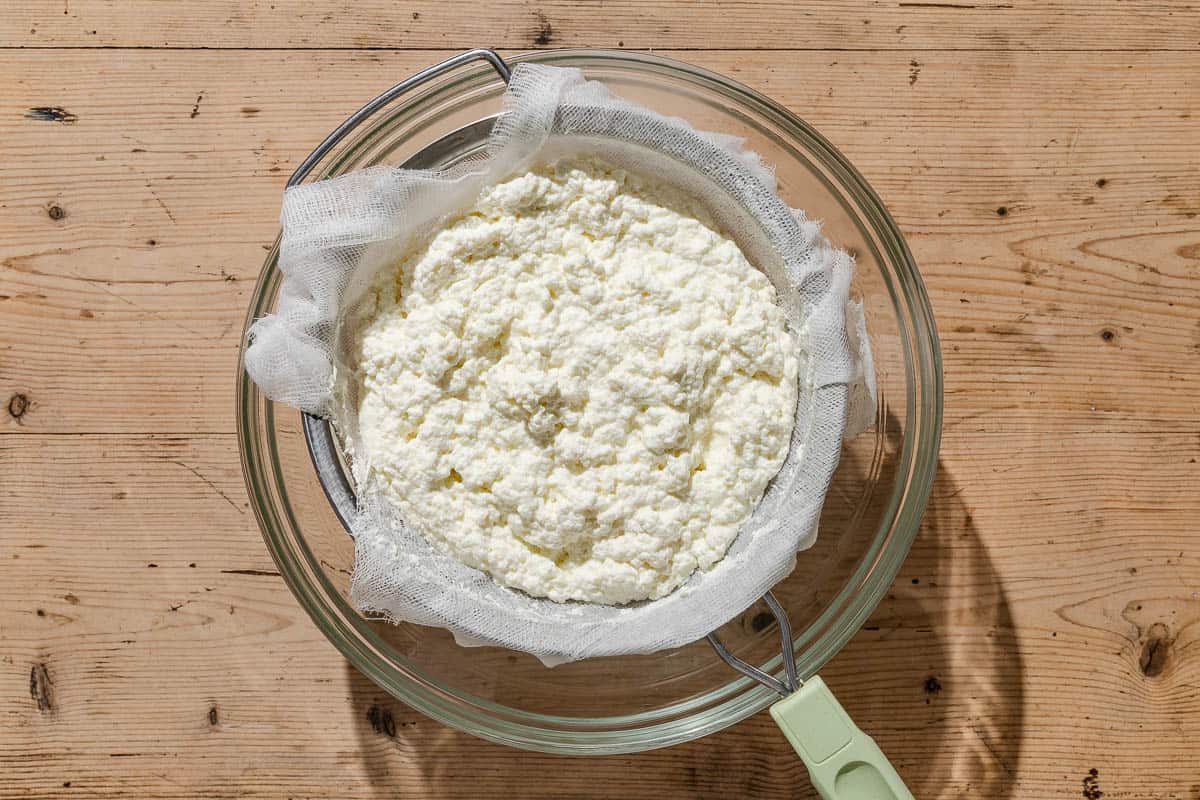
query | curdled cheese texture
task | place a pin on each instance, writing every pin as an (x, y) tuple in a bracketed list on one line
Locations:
[(578, 386)]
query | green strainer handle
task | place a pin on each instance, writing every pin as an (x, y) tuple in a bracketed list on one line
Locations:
[(843, 762)]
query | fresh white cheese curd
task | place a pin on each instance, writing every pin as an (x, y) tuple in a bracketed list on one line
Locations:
[(578, 386)]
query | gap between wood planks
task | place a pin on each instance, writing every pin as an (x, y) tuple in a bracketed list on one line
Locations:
[(369, 49)]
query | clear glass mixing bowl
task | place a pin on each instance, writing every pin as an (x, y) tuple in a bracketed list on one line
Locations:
[(871, 513)]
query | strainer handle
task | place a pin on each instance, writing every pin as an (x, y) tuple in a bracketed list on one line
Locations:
[(843, 762)]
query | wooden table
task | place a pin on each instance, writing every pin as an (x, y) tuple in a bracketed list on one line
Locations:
[(1043, 159)]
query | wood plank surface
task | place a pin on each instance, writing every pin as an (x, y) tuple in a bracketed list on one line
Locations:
[(1007, 25), (1043, 160), (158, 238)]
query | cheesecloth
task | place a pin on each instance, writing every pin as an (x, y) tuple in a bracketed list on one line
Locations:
[(337, 235)]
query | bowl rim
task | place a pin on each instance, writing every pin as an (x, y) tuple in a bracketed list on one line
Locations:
[(739, 698)]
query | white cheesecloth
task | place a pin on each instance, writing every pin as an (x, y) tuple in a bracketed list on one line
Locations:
[(338, 233)]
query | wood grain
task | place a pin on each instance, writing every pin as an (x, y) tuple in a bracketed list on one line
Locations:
[(172, 662), (1043, 160), (1005, 25), (163, 234)]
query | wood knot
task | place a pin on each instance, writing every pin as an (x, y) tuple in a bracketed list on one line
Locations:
[(1091, 785), (56, 212), (18, 405), (761, 621), (41, 688), (51, 114), (382, 721), (1156, 650), (544, 32)]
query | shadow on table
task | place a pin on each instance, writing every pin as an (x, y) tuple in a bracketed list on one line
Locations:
[(937, 684)]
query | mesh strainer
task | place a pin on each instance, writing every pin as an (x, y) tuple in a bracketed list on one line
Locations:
[(842, 760)]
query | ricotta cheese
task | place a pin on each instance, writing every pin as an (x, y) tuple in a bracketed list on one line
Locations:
[(578, 386)]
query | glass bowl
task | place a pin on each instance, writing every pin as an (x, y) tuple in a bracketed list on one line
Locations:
[(871, 513)]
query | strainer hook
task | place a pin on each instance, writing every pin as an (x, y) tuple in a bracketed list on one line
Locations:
[(791, 681)]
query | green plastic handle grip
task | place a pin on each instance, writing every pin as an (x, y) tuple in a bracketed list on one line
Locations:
[(843, 762)]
